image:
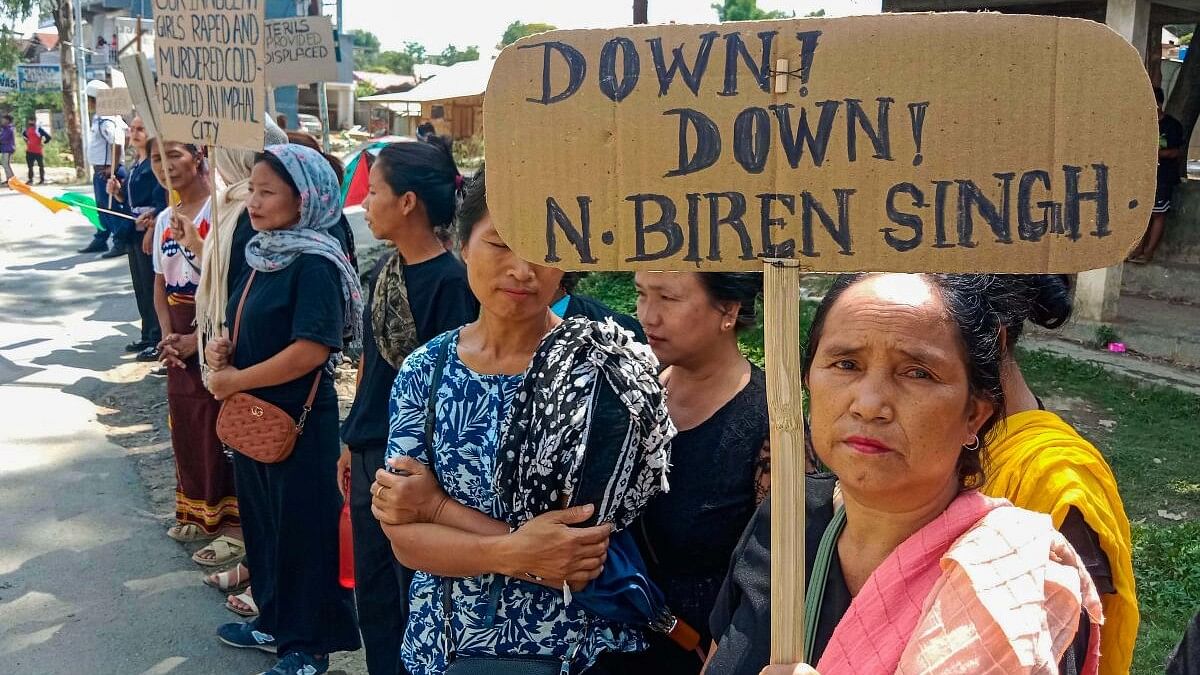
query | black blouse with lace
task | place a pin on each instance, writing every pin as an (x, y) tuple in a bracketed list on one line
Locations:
[(719, 472)]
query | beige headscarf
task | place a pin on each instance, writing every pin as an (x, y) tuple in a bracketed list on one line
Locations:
[(233, 187)]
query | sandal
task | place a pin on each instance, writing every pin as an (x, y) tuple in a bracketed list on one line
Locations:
[(229, 581), (187, 533), (225, 550), (242, 604)]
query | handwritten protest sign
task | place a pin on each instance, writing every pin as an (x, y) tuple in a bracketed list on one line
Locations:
[(140, 82), (941, 142), (300, 50), (113, 102), (211, 74)]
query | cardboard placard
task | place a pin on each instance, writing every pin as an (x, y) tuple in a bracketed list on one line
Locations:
[(922, 142), (114, 101), (127, 29), (300, 50), (211, 72), (140, 82)]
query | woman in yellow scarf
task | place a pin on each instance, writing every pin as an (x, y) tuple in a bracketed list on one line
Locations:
[(1040, 463)]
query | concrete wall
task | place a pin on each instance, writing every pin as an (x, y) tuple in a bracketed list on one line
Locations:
[(1181, 243)]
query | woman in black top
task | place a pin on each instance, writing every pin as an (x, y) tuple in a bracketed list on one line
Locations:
[(146, 198), (417, 292), (720, 458), (299, 300)]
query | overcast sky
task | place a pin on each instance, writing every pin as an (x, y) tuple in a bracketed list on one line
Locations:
[(437, 23)]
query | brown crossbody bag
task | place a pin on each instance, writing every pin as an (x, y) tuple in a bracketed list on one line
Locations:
[(259, 430)]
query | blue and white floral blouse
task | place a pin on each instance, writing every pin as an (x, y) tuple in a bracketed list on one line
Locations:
[(494, 615)]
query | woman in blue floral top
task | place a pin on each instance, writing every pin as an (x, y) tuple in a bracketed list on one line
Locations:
[(507, 587)]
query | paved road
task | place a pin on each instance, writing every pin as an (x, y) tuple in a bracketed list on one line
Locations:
[(89, 583)]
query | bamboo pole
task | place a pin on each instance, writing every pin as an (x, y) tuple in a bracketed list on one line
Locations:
[(781, 304)]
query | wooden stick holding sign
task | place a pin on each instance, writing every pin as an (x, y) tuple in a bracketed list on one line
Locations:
[(143, 96), (714, 148)]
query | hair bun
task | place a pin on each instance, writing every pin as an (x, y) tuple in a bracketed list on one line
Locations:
[(1050, 300)]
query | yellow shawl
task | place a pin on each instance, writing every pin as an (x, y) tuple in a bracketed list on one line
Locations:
[(1039, 462)]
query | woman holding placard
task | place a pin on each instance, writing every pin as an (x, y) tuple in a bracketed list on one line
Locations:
[(205, 500), (146, 198), (288, 321), (910, 568)]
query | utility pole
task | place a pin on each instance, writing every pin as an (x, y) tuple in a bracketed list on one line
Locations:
[(85, 118), (641, 11)]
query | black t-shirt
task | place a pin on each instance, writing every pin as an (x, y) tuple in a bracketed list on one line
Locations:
[(1170, 135), (440, 300), (302, 301)]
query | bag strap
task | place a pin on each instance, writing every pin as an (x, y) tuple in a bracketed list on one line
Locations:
[(435, 381), (237, 317), (815, 595), (237, 329)]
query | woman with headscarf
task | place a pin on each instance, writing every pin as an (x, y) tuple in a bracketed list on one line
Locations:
[(418, 291), (205, 501), (222, 266), (291, 314), (909, 568), (509, 529), (1041, 463)]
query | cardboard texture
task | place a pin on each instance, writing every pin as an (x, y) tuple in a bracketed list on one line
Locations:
[(211, 73), (300, 50), (113, 102), (140, 82), (922, 142)]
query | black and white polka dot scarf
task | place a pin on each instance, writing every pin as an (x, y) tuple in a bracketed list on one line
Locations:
[(589, 425)]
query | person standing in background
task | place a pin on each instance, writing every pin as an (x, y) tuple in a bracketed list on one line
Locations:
[(146, 198), (417, 292), (1171, 154), (8, 145), (35, 136), (107, 137)]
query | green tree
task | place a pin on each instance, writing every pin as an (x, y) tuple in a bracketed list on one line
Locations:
[(366, 48), (746, 10), (363, 88), (815, 15), (452, 55), (517, 30), (394, 62), (64, 21), (12, 12)]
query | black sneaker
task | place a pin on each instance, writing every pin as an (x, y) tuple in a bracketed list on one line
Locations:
[(148, 354), (138, 346), (94, 247), (299, 663), (114, 252)]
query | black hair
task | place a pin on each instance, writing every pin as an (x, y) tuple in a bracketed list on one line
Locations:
[(1043, 299), (276, 166), (307, 140), (425, 170), (425, 128), (570, 280), (446, 145), (473, 207), (9, 118), (1159, 96), (740, 287), (966, 297)]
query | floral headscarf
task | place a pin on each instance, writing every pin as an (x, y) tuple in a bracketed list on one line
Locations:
[(320, 210)]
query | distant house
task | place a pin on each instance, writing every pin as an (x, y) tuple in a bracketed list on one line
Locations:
[(451, 100)]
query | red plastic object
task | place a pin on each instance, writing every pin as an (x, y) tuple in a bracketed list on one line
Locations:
[(346, 544)]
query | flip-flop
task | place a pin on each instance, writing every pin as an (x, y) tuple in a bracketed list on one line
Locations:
[(188, 532), (227, 550), (246, 599), (229, 581)]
